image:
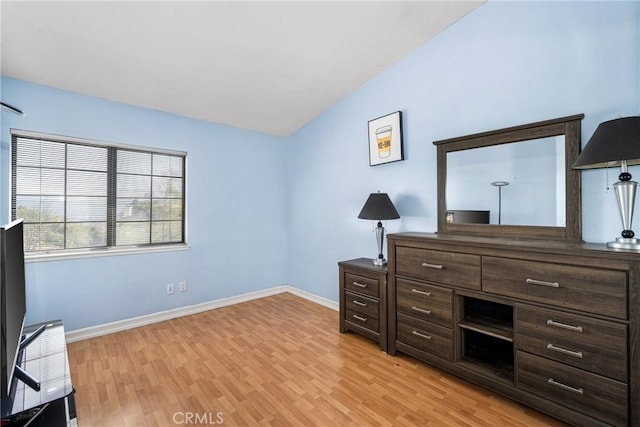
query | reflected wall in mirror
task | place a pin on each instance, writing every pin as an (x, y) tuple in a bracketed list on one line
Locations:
[(521, 175), (519, 184)]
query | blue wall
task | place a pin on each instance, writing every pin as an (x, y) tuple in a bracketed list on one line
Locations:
[(504, 64), (264, 211), (236, 198)]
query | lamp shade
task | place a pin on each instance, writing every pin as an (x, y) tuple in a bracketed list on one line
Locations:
[(612, 142), (378, 207)]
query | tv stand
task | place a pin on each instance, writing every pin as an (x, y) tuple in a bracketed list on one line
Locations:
[(49, 401)]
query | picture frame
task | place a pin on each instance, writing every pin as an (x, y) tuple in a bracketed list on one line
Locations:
[(385, 139)]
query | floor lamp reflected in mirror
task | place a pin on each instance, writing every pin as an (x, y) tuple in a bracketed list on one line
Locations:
[(500, 184), (379, 207)]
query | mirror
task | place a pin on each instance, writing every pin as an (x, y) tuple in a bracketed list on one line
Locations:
[(512, 182)]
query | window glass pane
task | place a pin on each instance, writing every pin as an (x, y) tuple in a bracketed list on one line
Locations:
[(80, 183), (133, 210), (86, 235), (86, 157), (134, 186), (39, 181), (40, 208), (31, 152), (167, 187), (167, 165), (134, 162), (43, 237), (81, 209), (167, 209), (166, 231), (132, 233)]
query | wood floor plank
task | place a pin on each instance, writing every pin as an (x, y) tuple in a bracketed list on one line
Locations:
[(276, 361)]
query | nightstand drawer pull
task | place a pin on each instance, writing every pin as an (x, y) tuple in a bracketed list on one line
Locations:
[(542, 283), (554, 383), (360, 303), (360, 285), (418, 291), (418, 334), (436, 266), (360, 318), (564, 351), (564, 326), (420, 310)]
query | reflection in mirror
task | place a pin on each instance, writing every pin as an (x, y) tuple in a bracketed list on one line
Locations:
[(519, 184)]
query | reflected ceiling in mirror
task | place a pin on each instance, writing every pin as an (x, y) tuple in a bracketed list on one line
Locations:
[(517, 184)]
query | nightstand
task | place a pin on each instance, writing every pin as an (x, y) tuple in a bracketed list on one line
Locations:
[(363, 299)]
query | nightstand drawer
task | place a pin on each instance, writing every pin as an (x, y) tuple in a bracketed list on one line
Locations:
[(450, 268), (587, 289), (602, 398), (361, 284), (362, 304), (430, 303), (591, 344), (362, 319), (425, 336)]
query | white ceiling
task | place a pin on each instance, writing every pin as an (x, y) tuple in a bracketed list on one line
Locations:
[(267, 66)]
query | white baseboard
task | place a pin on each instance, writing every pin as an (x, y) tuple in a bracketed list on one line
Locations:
[(134, 322), (313, 298)]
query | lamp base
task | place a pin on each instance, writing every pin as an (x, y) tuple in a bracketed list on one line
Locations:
[(625, 243), (379, 261)]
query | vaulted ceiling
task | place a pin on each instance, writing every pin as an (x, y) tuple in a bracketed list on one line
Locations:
[(268, 66)]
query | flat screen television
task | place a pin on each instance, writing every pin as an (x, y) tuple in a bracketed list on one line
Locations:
[(13, 306)]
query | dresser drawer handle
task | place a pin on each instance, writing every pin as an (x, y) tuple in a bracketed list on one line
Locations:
[(420, 310), (542, 283), (418, 291), (435, 266), (360, 318), (360, 303), (418, 334), (564, 351), (564, 326), (360, 285), (554, 383)]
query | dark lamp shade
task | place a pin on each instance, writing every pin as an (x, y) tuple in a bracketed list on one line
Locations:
[(612, 142), (378, 207)]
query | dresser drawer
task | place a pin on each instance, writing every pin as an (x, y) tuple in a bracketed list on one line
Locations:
[(431, 303), (588, 289), (595, 345), (450, 268), (425, 336), (361, 284), (360, 318), (602, 398), (362, 304)]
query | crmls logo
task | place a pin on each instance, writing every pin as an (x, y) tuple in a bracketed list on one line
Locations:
[(198, 418)]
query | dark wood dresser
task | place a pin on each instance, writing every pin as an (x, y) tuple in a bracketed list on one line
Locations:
[(551, 324), (363, 299)]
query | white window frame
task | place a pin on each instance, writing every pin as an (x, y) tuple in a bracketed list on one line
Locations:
[(62, 254)]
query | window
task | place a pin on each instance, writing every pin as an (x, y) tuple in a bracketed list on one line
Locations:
[(78, 194)]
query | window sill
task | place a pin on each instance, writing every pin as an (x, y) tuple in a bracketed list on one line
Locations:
[(102, 252)]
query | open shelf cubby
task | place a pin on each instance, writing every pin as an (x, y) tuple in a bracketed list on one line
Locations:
[(486, 334)]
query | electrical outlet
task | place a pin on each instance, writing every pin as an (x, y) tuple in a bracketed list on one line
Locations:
[(183, 286), (170, 289)]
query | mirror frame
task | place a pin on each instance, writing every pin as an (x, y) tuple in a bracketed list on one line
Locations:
[(570, 127)]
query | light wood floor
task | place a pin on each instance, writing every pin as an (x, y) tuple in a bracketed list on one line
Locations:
[(276, 361)]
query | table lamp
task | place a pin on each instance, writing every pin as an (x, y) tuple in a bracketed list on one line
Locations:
[(617, 143), (379, 207)]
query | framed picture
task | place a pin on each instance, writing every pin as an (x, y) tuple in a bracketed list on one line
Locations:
[(385, 139)]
